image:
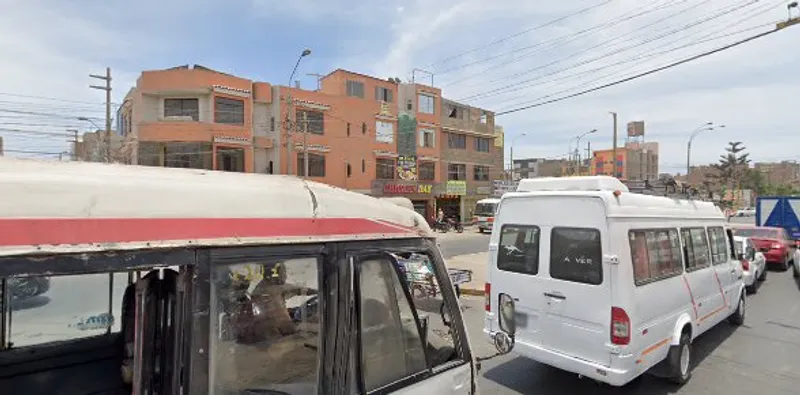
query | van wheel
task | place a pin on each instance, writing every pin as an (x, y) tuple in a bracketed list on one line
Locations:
[(752, 289), (785, 264), (737, 318), (795, 272), (679, 360), (763, 276)]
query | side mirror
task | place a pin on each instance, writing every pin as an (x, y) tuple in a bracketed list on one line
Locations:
[(504, 339)]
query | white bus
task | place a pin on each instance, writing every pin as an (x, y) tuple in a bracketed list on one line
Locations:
[(592, 279), (484, 213)]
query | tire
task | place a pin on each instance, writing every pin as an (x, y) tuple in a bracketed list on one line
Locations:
[(752, 289), (679, 360), (785, 264), (795, 272), (737, 318), (763, 276)]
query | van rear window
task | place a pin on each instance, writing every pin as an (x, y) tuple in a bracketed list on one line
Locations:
[(576, 255), (519, 249)]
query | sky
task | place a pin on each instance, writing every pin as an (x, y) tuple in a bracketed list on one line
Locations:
[(499, 55)]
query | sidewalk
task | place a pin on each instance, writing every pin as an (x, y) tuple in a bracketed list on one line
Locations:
[(469, 231), (477, 263)]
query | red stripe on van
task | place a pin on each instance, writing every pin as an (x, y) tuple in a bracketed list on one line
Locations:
[(60, 231), (721, 292), (691, 296)]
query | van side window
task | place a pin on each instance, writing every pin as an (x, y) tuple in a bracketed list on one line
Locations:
[(655, 254), (576, 255), (519, 249), (719, 248), (695, 248), (391, 345)]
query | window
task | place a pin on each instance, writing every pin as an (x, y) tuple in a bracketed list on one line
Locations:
[(655, 254), (349, 170), (230, 159), (481, 173), (427, 138), (456, 112), (363, 166), (384, 132), (384, 169), (695, 248), (355, 89), (265, 313), (363, 128), (392, 318), (229, 111), (519, 249), (409, 105), (48, 309), (456, 141), (719, 248), (427, 171), (272, 124), (576, 255), (426, 104), (348, 128), (482, 144), (383, 94), (182, 108), (456, 172), (313, 121), (316, 165), (483, 117)]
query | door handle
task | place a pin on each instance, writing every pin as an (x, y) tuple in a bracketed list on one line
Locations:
[(555, 295)]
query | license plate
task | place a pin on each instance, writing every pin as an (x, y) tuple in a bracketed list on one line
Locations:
[(461, 278)]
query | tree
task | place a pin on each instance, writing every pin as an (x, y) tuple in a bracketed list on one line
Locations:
[(733, 166)]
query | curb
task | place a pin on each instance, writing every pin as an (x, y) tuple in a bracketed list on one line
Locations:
[(472, 292)]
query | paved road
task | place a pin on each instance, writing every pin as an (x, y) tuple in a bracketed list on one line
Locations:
[(763, 356), (469, 242)]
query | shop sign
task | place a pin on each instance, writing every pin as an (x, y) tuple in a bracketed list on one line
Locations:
[(456, 187), (483, 190), (407, 168), (407, 189)]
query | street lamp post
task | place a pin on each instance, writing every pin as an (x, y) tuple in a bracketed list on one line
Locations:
[(704, 127), (578, 149), (289, 111), (511, 153)]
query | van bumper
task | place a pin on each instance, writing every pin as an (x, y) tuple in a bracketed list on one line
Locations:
[(624, 371)]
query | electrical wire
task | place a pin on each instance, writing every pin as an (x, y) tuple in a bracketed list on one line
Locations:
[(528, 30), (644, 74)]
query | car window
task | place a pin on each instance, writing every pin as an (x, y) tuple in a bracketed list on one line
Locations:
[(266, 325), (519, 249), (391, 345), (719, 249), (576, 255), (655, 254), (695, 248)]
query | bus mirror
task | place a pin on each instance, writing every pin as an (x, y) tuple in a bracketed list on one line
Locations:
[(506, 316)]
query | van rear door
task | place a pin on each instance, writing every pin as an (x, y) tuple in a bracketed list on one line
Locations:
[(571, 293)]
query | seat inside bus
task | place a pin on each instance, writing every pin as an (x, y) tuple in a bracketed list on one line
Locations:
[(94, 365)]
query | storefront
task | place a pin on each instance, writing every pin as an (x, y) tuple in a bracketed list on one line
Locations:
[(451, 200), (420, 194)]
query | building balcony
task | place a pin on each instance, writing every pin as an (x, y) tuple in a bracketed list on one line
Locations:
[(467, 127)]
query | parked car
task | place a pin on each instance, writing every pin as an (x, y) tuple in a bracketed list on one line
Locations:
[(754, 264), (22, 288), (774, 243), (746, 212)]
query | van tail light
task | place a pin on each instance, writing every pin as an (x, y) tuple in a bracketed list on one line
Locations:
[(490, 219), (746, 266), (487, 301), (620, 327), (777, 246)]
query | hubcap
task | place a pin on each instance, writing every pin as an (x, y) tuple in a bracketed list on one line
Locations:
[(685, 360)]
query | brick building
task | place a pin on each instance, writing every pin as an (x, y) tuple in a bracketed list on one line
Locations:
[(782, 173)]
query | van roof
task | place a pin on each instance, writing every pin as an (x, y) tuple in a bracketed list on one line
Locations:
[(488, 200), (51, 206), (629, 204), (585, 183)]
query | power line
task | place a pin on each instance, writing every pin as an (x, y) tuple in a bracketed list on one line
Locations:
[(534, 28), (646, 73), (50, 98), (521, 84), (9, 130)]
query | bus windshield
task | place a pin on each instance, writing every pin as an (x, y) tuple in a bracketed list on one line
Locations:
[(485, 209)]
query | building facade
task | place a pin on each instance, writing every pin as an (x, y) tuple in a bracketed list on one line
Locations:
[(781, 173), (635, 162), (538, 167), (471, 156)]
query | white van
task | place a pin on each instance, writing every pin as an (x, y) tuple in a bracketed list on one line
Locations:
[(592, 279), (484, 213)]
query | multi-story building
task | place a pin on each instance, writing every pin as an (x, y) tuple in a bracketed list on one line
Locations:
[(374, 136), (635, 162), (471, 156), (99, 146), (782, 173), (538, 167)]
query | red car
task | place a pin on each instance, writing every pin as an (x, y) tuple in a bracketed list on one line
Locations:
[(773, 242)]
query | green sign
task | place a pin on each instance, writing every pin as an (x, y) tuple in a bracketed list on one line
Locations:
[(456, 188)]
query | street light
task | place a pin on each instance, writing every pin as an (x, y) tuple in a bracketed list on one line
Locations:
[(706, 126), (305, 53), (578, 147), (511, 152), (90, 121)]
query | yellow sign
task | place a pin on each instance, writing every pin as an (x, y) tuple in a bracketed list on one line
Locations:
[(454, 187), (385, 109), (498, 136)]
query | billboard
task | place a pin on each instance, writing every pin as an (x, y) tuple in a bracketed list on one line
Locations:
[(635, 128)]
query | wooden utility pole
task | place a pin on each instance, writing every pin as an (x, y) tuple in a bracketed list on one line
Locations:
[(287, 126), (107, 133), (305, 144), (614, 149)]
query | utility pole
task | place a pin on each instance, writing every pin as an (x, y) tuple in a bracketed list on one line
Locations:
[(74, 142), (589, 156), (305, 144), (287, 125), (107, 88), (614, 149)]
